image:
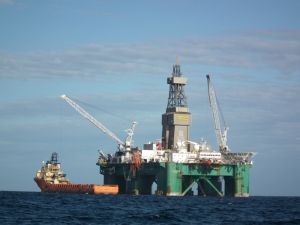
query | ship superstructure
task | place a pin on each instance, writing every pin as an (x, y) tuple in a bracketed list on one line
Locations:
[(51, 171), (50, 178), (175, 163)]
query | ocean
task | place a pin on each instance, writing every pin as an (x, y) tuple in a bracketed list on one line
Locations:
[(58, 208)]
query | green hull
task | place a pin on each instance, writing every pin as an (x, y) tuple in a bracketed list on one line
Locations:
[(177, 179)]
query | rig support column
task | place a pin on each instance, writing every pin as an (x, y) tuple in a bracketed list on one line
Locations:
[(174, 180), (161, 180), (241, 178)]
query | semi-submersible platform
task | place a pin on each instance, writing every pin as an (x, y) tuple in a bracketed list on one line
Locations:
[(175, 163)]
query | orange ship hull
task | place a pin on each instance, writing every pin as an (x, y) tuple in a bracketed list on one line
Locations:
[(76, 188)]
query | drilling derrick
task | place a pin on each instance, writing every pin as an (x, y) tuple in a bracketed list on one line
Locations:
[(177, 119)]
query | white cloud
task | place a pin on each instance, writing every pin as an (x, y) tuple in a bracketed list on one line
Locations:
[(279, 51)]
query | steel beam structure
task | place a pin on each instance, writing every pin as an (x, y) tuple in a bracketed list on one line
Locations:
[(176, 179)]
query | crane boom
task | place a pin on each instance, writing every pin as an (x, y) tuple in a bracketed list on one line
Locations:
[(90, 118), (130, 133), (220, 135)]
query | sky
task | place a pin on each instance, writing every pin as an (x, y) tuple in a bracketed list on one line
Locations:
[(114, 57)]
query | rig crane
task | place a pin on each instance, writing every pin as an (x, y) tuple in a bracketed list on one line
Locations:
[(220, 134), (122, 145)]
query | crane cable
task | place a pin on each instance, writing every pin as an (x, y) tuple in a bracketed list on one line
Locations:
[(221, 112), (102, 110)]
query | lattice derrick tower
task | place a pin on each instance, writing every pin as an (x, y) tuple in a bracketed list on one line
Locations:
[(177, 97)]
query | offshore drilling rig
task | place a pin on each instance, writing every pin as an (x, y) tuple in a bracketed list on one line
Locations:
[(175, 163)]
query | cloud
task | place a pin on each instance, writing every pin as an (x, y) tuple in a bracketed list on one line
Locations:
[(270, 50), (263, 112), (264, 117)]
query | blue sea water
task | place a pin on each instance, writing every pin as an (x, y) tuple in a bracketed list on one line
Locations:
[(57, 208)]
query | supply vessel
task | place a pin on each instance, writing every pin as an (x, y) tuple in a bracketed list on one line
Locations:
[(175, 165), (50, 178)]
